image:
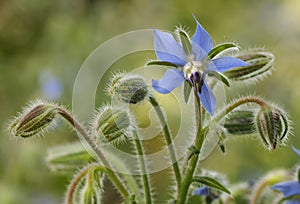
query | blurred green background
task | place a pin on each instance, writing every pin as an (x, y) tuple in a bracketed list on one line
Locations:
[(42, 41)]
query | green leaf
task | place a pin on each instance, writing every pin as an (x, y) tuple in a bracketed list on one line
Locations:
[(220, 48), (185, 41), (187, 89), (299, 175), (219, 76), (162, 63), (210, 182)]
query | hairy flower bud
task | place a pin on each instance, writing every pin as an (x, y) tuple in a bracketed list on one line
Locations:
[(260, 63), (112, 125), (128, 88), (34, 119), (240, 122), (272, 126)]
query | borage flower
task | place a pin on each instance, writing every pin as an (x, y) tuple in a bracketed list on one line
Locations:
[(193, 60)]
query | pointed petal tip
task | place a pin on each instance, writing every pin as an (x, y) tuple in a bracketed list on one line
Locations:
[(207, 99), (172, 79), (201, 37), (158, 88)]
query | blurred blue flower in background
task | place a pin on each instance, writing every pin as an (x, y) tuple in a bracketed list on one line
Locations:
[(209, 194), (202, 191), (290, 188), (50, 85), (194, 66)]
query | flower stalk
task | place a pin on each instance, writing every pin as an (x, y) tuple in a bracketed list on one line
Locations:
[(237, 103), (168, 138), (193, 160), (142, 163)]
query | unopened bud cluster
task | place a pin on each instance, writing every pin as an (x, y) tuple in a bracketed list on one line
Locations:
[(112, 125), (128, 88)]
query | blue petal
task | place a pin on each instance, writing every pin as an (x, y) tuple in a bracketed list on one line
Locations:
[(171, 80), (202, 38), (297, 151), (167, 49), (202, 191), (199, 54), (207, 98), (223, 64), (288, 188)]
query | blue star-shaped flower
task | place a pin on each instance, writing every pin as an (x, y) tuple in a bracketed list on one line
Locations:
[(289, 188), (193, 66)]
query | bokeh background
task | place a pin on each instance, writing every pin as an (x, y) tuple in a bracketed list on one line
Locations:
[(44, 43)]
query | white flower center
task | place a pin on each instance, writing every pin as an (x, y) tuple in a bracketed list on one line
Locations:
[(193, 67)]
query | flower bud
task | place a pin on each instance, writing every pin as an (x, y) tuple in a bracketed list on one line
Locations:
[(260, 63), (272, 126), (240, 122), (112, 125), (33, 120), (128, 88)]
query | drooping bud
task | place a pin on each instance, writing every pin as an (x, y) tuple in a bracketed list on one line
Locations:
[(128, 88), (68, 158), (34, 119), (240, 122), (112, 125), (272, 126), (260, 64)]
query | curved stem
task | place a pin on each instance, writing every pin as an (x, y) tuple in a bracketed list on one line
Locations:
[(145, 177), (237, 103), (192, 163), (65, 114), (83, 172), (73, 185), (168, 138)]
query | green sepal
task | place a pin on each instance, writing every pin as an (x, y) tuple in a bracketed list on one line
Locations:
[(161, 63), (185, 42), (260, 63), (285, 126), (219, 76), (220, 48), (187, 89), (210, 182)]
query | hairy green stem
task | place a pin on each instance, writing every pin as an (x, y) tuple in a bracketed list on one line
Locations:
[(145, 177), (192, 163), (83, 172), (168, 138), (117, 181), (72, 187), (235, 104)]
